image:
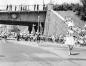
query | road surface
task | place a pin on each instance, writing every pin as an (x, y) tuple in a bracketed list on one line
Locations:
[(16, 54)]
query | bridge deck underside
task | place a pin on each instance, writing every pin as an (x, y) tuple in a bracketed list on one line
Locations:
[(24, 23)]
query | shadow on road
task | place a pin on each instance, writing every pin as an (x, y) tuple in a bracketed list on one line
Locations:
[(75, 53), (79, 59)]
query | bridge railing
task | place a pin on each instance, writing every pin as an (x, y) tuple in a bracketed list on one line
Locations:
[(37, 7)]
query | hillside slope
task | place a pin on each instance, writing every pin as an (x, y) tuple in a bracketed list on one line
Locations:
[(55, 26)]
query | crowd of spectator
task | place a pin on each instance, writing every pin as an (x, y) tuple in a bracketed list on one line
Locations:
[(36, 7)]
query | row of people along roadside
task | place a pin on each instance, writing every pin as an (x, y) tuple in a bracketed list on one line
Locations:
[(35, 7), (37, 36), (30, 36)]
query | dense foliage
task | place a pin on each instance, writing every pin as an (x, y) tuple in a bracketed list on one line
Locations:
[(66, 6), (79, 9), (82, 12)]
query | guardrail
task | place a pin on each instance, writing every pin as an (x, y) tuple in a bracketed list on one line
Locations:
[(37, 7)]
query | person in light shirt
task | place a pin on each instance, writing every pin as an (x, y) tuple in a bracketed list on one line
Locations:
[(69, 22), (70, 42)]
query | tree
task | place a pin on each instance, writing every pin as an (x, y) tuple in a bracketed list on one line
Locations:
[(56, 7), (62, 7), (65, 6), (84, 3), (82, 10)]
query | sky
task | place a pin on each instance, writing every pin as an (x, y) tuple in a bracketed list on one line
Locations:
[(4, 2), (31, 2)]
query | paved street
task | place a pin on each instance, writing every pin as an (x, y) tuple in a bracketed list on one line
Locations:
[(13, 53)]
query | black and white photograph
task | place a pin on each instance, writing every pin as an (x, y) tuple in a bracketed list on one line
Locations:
[(42, 32)]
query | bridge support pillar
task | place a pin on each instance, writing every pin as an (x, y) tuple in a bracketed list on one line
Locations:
[(50, 6)]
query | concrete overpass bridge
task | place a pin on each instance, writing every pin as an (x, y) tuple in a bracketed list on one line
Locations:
[(13, 14), (24, 15)]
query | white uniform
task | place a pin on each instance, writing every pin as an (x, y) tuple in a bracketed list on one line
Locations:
[(69, 40)]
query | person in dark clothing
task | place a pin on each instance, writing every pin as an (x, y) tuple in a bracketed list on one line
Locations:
[(38, 37), (34, 7), (37, 7), (44, 7), (18, 37), (7, 7), (15, 8)]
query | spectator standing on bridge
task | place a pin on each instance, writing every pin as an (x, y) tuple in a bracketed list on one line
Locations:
[(43, 6), (21, 7), (37, 7), (10, 6), (15, 8), (34, 7), (7, 7)]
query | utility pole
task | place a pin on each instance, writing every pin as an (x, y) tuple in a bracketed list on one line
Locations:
[(38, 24)]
